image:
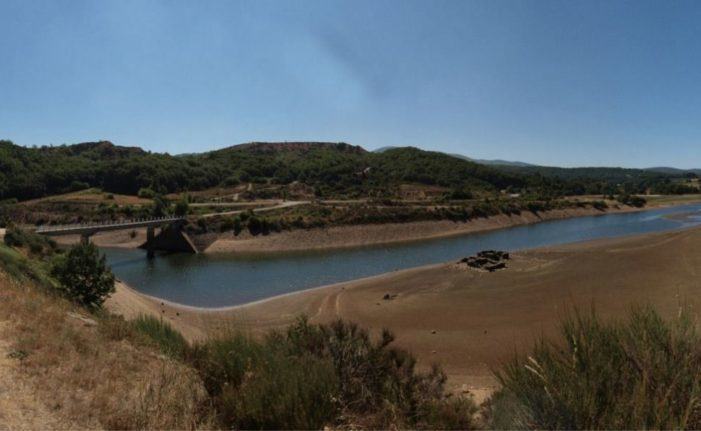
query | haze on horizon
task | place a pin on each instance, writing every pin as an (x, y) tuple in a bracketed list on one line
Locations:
[(607, 83)]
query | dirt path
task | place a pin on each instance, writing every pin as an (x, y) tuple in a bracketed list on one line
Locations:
[(286, 204)]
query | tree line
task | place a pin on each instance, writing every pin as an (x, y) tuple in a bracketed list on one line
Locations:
[(333, 169)]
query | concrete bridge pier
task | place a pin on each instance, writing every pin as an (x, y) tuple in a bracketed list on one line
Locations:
[(85, 238), (150, 235)]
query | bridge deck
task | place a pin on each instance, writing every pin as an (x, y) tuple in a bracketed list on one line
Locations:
[(92, 228)]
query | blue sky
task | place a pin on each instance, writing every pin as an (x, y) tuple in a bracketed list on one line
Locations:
[(557, 83)]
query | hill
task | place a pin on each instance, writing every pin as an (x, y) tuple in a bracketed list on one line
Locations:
[(330, 169), (489, 162), (674, 171)]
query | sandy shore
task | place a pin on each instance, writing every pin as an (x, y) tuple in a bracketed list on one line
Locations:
[(470, 321)]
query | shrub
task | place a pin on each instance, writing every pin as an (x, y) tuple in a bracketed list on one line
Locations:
[(14, 237), (19, 267), (237, 225), (159, 207), (146, 193), (84, 276), (182, 208), (600, 205), (255, 225), (312, 376), (162, 335), (226, 224), (378, 383), (78, 185), (37, 244), (635, 374), (258, 385), (631, 200)]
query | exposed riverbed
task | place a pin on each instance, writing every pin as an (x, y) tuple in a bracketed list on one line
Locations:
[(219, 280)]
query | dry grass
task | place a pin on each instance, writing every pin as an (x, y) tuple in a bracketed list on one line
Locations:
[(92, 377), (90, 196)]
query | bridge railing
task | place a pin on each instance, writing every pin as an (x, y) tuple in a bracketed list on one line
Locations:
[(108, 224)]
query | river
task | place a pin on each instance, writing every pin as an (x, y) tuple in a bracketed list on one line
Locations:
[(220, 280)]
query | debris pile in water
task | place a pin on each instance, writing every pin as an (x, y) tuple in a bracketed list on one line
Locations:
[(488, 260)]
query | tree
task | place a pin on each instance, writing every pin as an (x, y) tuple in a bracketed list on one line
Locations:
[(159, 207), (182, 207), (84, 275)]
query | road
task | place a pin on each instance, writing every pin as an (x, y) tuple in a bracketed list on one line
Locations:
[(286, 204)]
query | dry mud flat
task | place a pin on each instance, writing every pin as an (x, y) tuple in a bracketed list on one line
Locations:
[(470, 321)]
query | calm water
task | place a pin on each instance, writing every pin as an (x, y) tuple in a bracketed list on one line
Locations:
[(221, 280)]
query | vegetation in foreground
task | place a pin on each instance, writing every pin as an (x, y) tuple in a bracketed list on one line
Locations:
[(80, 367), (643, 373), (311, 376), (306, 377)]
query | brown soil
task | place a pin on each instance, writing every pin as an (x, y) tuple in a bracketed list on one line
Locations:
[(118, 239), (363, 235), (471, 321)]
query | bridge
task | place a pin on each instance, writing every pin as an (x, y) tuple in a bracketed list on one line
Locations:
[(168, 239), (89, 229)]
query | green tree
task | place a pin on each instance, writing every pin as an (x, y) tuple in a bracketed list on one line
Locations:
[(182, 207), (159, 207), (84, 275)]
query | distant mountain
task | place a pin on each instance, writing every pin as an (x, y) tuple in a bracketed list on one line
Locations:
[(674, 171), (496, 162)]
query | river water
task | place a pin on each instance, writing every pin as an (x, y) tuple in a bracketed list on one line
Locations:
[(219, 280)]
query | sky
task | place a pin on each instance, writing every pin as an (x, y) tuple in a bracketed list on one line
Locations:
[(589, 83)]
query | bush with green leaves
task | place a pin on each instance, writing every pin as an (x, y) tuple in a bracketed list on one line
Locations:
[(37, 244), (643, 373), (83, 275), (162, 335), (182, 207), (311, 376), (146, 193)]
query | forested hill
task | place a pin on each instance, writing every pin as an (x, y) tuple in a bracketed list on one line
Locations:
[(332, 169), (594, 180)]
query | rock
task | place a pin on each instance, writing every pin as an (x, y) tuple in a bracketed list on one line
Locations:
[(86, 320), (490, 260), (433, 332), (496, 266), (386, 297)]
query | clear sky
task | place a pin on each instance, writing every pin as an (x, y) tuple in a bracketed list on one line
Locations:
[(556, 83)]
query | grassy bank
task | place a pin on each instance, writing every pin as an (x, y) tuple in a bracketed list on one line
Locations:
[(83, 371), (96, 370)]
